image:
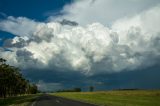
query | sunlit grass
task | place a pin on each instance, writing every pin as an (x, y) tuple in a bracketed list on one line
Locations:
[(117, 98)]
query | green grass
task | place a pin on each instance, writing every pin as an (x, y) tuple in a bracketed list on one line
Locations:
[(117, 98), (18, 100)]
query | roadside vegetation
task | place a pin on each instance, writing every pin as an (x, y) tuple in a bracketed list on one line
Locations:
[(19, 100), (116, 98), (12, 82), (14, 88)]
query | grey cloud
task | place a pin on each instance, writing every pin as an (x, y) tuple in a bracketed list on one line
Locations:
[(8, 43), (24, 60), (43, 86), (23, 53), (141, 78), (1, 49), (67, 22)]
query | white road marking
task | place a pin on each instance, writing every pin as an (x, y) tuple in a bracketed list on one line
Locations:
[(33, 103), (57, 101)]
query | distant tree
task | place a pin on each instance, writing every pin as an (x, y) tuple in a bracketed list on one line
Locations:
[(70, 90), (91, 88), (77, 89)]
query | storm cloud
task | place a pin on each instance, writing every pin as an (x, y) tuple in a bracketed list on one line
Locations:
[(129, 43)]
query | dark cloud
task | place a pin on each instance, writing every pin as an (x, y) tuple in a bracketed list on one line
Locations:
[(137, 79), (24, 53), (8, 43), (68, 22), (140, 79)]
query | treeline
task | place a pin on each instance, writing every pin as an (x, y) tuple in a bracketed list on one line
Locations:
[(70, 90), (12, 82), (90, 89)]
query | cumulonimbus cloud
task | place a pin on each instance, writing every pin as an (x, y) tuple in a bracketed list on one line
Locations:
[(103, 11), (129, 44)]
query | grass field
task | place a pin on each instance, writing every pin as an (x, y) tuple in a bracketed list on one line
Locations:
[(117, 98), (18, 100)]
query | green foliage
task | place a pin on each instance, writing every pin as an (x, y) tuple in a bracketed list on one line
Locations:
[(33, 89), (12, 82)]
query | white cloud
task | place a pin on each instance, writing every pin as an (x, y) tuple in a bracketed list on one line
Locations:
[(103, 11), (16, 26), (130, 43)]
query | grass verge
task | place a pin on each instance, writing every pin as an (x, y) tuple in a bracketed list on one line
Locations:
[(117, 98), (18, 100)]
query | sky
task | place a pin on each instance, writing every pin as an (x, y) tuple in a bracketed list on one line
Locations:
[(62, 44)]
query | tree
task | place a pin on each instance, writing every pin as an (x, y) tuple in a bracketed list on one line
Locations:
[(91, 88), (32, 89), (77, 89), (12, 82)]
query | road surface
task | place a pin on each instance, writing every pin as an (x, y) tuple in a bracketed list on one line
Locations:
[(48, 100)]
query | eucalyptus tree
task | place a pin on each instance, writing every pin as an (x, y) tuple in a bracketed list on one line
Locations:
[(12, 82)]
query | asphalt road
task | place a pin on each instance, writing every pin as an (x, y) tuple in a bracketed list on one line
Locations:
[(48, 100)]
